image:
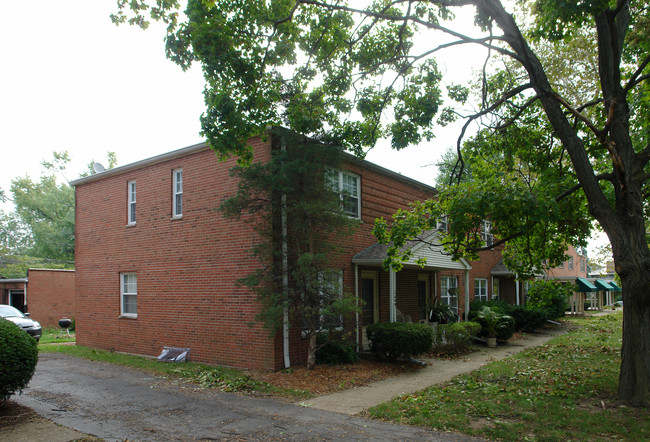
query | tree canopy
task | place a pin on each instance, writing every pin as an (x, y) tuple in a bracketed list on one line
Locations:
[(40, 229), (564, 115)]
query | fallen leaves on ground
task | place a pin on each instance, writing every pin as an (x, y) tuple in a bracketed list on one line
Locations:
[(324, 379)]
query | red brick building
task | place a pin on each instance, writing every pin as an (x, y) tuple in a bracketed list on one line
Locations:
[(47, 295), (157, 263)]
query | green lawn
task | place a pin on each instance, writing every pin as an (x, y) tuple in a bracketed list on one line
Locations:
[(53, 335), (564, 390)]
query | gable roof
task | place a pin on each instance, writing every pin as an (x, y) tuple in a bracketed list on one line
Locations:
[(279, 132), (429, 249)]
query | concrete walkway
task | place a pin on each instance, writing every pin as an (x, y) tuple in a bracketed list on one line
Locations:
[(437, 371)]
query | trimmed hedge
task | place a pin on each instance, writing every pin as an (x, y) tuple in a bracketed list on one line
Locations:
[(391, 340), (18, 358)]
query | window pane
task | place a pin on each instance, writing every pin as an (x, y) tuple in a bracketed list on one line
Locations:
[(130, 304), (350, 185)]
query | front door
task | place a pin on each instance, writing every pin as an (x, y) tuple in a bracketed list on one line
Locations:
[(370, 298), (17, 299)]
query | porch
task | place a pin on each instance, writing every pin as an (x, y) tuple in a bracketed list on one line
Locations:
[(404, 296)]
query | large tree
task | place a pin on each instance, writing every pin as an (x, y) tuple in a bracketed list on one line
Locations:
[(353, 73)]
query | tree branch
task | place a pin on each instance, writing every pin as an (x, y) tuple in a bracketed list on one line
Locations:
[(636, 78), (419, 21)]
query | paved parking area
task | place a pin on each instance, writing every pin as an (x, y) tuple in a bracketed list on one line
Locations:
[(118, 403)]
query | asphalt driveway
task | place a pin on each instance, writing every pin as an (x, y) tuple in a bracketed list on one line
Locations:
[(118, 403)]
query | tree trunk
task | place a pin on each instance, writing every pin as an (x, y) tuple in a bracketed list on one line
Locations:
[(634, 378), (311, 351)]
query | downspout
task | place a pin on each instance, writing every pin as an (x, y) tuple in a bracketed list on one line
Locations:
[(356, 296), (285, 276)]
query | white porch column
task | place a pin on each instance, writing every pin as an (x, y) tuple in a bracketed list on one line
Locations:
[(356, 295), (517, 291), (392, 292), (466, 294)]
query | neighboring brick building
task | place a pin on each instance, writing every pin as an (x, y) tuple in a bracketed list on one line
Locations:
[(47, 295), (157, 263)]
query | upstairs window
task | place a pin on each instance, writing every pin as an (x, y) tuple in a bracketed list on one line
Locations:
[(131, 203), (177, 193), (442, 224), (348, 186), (570, 263), (583, 265), (486, 233)]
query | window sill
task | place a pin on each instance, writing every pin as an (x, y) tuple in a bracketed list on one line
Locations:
[(128, 316), (177, 217), (130, 225)]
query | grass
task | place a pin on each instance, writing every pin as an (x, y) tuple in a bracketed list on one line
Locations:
[(202, 375), (52, 335), (564, 390)]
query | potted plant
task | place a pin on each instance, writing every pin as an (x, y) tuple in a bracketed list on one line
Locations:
[(489, 319), (440, 313)]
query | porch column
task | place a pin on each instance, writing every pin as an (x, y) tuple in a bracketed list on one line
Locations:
[(356, 295), (466, 294), (517, 291), (392, 295)]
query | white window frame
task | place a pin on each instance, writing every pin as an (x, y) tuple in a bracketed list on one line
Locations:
[(177, 193), (583, 265), (486, 233), (131, 205), (570, 263), (442, 224), (339, 277), (128, 291), (481, 289), (336, 180), (447, 283)]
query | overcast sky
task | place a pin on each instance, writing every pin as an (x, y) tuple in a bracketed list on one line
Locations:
[(72, 81)]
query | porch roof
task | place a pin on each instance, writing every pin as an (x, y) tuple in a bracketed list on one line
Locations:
[(615, 287), (429, 249), (604, 285), (500, 269), (585, 286)]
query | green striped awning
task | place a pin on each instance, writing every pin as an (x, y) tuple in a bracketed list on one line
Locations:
[(585, 286)]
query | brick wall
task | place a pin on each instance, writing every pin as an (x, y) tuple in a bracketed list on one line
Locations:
[(566, 271), (50, 295), (186, 268)]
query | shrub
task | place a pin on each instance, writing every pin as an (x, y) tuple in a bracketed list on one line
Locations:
[(456, 337), (526, 319), (390, 340), (18, 357), (549, 296), (493, 323), (336, 351), (496, 305)]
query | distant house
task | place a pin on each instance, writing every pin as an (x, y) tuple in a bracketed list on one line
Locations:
[(47, 295), (157, 264)]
